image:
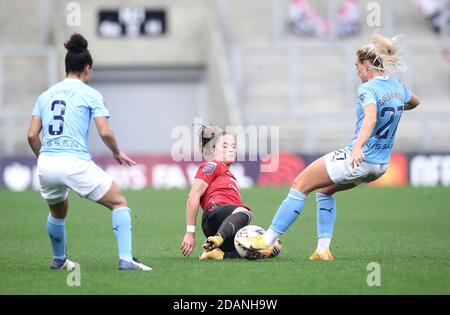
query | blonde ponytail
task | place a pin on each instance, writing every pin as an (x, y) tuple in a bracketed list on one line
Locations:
[(383, 52)]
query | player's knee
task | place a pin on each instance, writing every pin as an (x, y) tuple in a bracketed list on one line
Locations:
[(58, 214), (250, 216), (117, 201), (325, 191), (121, 201), (59, 210), (246, 212), (301, 185)]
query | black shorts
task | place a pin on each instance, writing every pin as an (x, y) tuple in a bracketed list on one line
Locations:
[(212, 220)]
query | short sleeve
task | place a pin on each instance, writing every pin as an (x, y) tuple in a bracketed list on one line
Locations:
[(97, 105), (366, 96), (406, 93), (37, 107), (208, 171)]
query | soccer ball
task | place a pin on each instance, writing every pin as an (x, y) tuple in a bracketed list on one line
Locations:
[(251, 231)]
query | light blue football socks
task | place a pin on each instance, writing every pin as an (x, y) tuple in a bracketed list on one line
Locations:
[(288, 211), (121, 221), (326, 215), (57, 233)]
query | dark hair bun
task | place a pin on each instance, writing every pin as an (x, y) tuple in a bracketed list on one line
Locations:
[(76, 44)]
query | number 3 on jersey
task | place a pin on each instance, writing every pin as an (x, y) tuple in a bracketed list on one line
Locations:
[(59, 109)]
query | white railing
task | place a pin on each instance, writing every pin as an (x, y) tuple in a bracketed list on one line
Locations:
[(234, 53)]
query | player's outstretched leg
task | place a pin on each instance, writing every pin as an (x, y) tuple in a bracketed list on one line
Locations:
[(313, 177), (287, 213), (233, 223)]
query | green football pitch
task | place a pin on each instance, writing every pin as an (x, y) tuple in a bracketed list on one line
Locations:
[(405, 230)]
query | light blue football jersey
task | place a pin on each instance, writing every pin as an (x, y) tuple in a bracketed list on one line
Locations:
[(389, 95), (66, 110)]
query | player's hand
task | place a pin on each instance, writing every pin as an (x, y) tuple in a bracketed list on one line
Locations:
[(188, 243), (357, 156), (123, 158)]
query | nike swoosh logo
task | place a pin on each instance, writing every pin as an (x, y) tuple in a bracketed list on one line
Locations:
[(325, 209)]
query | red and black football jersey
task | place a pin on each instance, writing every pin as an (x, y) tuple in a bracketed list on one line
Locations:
[(223, 188)]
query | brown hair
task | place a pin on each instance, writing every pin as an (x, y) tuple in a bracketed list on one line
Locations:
[(209, 135)]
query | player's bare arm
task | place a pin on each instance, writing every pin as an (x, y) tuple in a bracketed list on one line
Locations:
[(199, 186), (33, 134), (369, 122), (413, 103), (105, 132)]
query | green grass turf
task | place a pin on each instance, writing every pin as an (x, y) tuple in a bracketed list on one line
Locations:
[(405, 230)]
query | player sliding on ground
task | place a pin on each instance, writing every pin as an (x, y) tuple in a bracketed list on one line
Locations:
[(63, 114), (381, 102), (216, 190)]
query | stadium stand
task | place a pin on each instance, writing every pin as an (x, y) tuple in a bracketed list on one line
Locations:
[(240, 59)]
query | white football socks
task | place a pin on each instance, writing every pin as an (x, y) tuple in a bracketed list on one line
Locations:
[(270, 236), (323, 244)]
